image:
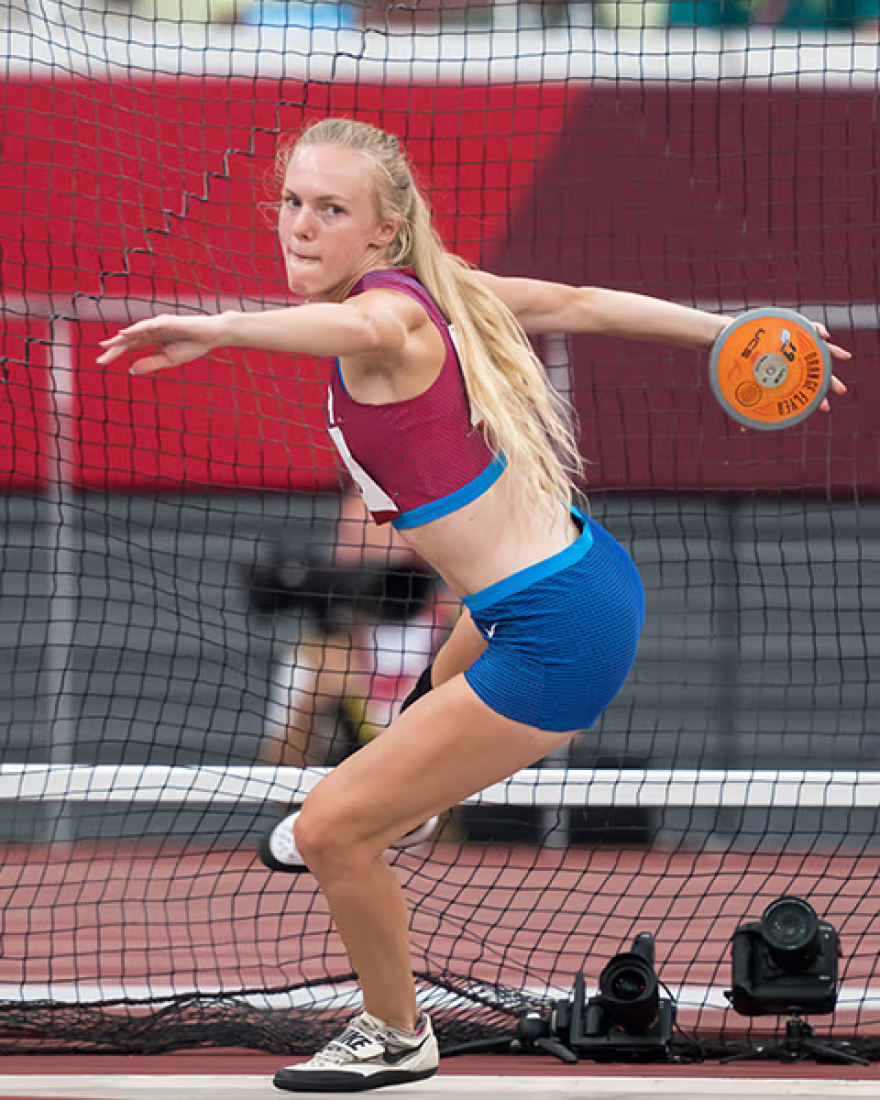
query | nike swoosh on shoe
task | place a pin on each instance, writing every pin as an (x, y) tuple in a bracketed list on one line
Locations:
[(392, 1057)]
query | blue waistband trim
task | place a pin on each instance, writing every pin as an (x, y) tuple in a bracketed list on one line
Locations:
[(516, 582), (425, 513)]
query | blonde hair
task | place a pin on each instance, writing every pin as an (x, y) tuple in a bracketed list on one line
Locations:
[(523, 416)]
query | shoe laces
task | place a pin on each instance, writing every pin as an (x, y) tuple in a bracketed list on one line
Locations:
[(338, 1051)]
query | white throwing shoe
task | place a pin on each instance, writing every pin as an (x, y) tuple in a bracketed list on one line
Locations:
[(278, 847), (421, 834), (367, 1055)]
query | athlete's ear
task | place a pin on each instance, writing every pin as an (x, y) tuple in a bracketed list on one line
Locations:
[(386, 231)]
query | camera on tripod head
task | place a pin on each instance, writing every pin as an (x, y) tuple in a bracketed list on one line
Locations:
[(627, 1019), (785, 963)]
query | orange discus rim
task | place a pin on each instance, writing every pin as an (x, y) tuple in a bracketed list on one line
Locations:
[(770, 369)]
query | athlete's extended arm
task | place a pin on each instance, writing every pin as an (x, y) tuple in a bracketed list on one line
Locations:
[(556, 307), (324, 329)]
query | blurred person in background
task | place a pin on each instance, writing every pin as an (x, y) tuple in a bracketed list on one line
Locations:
[(372, 615)]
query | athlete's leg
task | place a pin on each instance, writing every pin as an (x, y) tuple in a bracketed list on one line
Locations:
[(447, 746), (463, 646)]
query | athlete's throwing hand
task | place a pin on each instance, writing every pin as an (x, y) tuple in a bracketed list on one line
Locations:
[(178, 340)]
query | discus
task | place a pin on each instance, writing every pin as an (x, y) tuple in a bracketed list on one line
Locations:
[(770, 369)]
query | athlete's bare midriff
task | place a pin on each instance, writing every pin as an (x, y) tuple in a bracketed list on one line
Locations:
[(500, 533)]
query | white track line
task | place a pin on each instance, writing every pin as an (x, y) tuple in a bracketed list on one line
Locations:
[(550, 1087)]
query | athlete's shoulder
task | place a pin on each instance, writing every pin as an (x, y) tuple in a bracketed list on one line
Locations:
[(388, 301), (388, 278), (399, 285)]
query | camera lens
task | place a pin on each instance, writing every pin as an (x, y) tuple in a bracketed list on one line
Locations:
[(628, 985), (790, 929)]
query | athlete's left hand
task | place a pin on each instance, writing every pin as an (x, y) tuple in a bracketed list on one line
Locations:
[(178, 339)]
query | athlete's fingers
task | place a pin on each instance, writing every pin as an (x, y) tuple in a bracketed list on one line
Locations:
[(124, 340), (150, 364), (837, 352), (119, 345), (835, 349), (836, 385), (111, 353)]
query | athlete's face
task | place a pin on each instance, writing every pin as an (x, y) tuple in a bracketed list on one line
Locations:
[(329, 226)]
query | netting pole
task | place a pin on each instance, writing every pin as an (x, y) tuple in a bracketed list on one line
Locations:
[(727, 631), (555, 822), (64, 566), (557, 360)]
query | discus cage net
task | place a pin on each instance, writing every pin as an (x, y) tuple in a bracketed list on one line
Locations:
[(149, 665)]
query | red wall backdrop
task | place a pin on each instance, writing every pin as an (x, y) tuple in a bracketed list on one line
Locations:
[(122, 199), (716, 194)]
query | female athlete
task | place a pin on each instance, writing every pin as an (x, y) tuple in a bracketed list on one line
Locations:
[(443, 415)]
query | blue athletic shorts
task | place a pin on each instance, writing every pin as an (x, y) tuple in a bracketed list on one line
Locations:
[(562, 634)]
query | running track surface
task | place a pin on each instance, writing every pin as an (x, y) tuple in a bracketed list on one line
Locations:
[(216, 919), (231, 1075)]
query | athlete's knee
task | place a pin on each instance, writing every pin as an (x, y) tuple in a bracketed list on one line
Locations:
[(315, 833), (326, 836)]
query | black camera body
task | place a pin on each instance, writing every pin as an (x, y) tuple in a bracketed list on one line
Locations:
[(627, 1019), (785, 964), (602, 1039)]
